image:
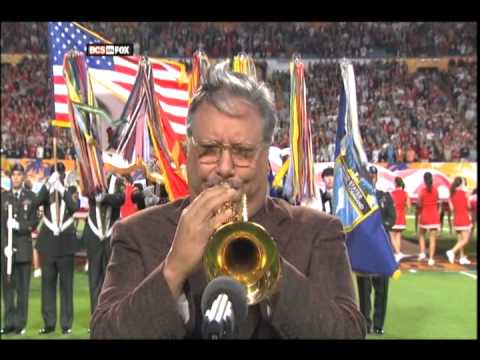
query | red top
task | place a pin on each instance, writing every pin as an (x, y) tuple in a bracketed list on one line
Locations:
[(128, 208), (460, 208), (429, 213), (399, 197)]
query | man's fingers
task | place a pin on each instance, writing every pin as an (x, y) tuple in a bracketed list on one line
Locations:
[(209, 193), (206, 205), (220, 219)]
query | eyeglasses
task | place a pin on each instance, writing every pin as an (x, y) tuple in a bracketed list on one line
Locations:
[(211, 152)]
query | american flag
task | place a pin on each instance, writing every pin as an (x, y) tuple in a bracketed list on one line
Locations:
[(115, 75)]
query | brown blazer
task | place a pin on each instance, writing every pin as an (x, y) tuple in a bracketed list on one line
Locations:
[(316, 297)]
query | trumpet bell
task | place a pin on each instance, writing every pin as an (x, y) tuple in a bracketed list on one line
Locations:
[(246, 252)]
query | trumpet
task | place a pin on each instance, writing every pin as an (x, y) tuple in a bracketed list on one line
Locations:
[(245, 251)]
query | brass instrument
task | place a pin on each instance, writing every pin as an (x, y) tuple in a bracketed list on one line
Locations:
[(245, 251)]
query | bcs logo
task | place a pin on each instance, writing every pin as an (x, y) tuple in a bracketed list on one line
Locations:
[(110, 49)]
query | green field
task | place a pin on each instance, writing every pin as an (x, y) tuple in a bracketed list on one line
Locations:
[(431, 305), (81, 312)]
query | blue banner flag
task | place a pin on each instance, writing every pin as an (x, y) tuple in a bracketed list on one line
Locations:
[(354, 198)]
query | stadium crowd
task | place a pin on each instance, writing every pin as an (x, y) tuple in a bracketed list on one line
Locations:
[(26, 103), (403, 117), (268, 39)]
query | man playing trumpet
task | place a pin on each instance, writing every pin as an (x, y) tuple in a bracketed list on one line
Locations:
[(155, 277)]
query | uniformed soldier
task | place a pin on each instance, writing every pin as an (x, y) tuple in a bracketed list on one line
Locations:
[(379, 283), (16, 287), (327, 195), (104, 211), (57, 244)]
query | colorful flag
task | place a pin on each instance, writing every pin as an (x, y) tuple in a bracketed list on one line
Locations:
[(242, 63), (200, 64), (354, 198), (85, 124), (300, 181), (146, 139)]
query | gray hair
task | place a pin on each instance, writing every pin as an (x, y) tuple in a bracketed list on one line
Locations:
[(220, 85)]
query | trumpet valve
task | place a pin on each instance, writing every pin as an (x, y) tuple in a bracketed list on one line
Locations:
[(235, 213)]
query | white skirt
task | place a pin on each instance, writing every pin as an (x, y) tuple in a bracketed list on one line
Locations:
[(430, 226)]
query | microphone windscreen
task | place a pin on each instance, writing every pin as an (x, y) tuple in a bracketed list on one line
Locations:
[(236, 293)]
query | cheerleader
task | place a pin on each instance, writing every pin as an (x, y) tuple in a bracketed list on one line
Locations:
[(429, 217), (400, 201), (462, 222)]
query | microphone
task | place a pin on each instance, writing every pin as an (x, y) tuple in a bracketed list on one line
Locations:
[(224, 308)]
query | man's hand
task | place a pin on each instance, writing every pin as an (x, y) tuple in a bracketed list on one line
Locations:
[(13, 224), (197, 222)]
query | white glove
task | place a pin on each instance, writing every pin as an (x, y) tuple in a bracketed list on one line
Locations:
[(100, 197), (151, 200), (13, 224), (148, 191), (8, 251), (59, 187), (150, 197), (56, 232)]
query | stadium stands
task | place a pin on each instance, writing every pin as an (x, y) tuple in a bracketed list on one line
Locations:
[(403, 116)]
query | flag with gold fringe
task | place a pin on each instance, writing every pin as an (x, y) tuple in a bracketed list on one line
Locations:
[(200, 63), (242, 63), (300, 183), (85, 124)]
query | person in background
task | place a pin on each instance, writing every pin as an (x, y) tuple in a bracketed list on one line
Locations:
[(129, 207), (37, 268), (57, 244), (377, 282), (429, 217), (327, 195), (445, 210), (16, 288), (401, 202), (104, 211), (138, 197), (462, 222)]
